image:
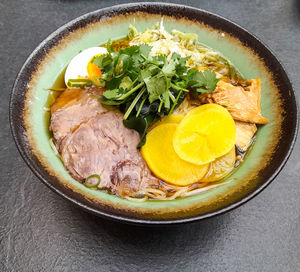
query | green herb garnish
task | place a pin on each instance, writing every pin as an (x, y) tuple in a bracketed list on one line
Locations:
[(145, 86)]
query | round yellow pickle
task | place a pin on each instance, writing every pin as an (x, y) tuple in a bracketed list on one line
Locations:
[(205, 133), (163, 161)]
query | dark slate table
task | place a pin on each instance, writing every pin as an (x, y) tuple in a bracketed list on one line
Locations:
[(39, 231)]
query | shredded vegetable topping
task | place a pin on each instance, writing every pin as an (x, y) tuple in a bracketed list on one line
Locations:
[(184, 44)]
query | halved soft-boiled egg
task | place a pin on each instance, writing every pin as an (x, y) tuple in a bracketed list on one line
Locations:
[(81, 66)]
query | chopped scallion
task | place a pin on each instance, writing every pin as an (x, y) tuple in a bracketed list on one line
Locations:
[(92, 185), (79, 82)]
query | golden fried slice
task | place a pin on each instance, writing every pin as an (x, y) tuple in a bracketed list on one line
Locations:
[(242, 103), (244, 134)]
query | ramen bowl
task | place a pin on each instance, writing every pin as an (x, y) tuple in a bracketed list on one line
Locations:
[(270, 151)]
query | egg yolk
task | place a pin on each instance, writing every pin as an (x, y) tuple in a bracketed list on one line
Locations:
[(93, 70)]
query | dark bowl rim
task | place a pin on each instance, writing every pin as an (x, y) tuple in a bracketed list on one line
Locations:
[(124, 219)]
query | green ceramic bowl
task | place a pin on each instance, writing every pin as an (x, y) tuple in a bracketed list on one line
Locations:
[(269, 153)]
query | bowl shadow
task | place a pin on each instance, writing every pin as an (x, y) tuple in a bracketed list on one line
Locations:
[(161, 239)]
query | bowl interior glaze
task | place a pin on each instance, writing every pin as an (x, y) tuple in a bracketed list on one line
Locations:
[(273, 142)]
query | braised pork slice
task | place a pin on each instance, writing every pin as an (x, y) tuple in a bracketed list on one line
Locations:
[(244, 134), (92, 139), (71, 108), (243, 103), (105, 147)]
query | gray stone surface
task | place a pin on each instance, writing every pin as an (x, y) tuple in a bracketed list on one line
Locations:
[(39, 231)]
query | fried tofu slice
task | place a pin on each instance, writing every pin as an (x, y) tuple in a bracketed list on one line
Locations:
[(243, 103), (244, 134)]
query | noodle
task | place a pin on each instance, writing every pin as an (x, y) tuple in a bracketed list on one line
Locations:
[(203, 189), (136, 199), (155, 191), (179, 193), (160, 194)]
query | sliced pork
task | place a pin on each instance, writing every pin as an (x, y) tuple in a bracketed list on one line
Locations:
[(105, 147), (93, 140), (71, 108)]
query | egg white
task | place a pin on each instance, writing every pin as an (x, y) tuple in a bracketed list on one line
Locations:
[(78, 65)]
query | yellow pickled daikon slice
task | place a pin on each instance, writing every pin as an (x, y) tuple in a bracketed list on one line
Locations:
[(205, 133), (161, 158)]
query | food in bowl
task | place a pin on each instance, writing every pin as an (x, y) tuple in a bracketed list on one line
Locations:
[(155, 115)]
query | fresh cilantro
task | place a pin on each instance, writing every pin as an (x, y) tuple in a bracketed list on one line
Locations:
[(148, 87), (145, 50), (111, 94), (126, 83), (145, 74), (169, 68), (102, 61), (205, 82), (156, 86)]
